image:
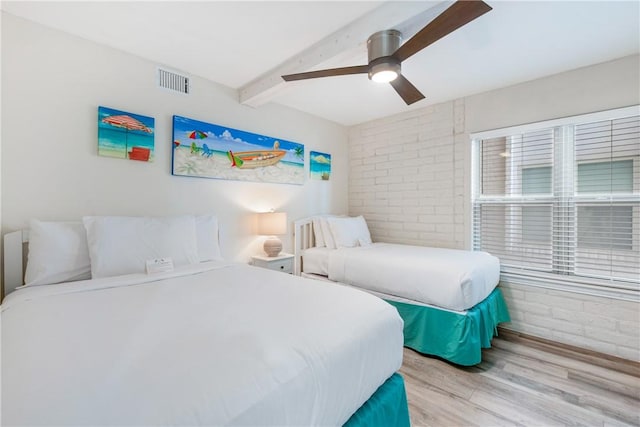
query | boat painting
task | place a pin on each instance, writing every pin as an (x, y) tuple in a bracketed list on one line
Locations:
[(255, 159), (206, 150)]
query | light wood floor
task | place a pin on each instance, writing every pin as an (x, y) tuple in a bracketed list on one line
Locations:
[(517, 384)]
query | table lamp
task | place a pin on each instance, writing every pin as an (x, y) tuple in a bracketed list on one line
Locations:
[(271, 224)]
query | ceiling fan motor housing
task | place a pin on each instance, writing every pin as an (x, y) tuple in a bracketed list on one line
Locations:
[(380, 47), (383, 43)]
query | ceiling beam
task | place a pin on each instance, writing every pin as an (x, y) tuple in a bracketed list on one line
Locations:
[(407, 17)]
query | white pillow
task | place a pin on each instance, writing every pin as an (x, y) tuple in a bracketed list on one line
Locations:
[(57, 253), (350, 232), (327, 234), (317, 232), (122, 245), (207, 238)]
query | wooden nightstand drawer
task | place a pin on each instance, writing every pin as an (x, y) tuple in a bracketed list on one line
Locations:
[(283, 262)]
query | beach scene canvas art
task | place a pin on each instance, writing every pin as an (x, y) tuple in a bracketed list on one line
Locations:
[(207, 150), (125, 135), (319, 165)]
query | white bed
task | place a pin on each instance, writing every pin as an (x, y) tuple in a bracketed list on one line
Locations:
[(213, 343), (425, 284), (446, 278)]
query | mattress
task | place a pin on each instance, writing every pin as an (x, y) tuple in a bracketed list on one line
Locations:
[(447, 278), (216, 344), (316, 261)]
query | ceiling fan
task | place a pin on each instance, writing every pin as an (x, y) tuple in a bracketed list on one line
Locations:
[(385, 55)]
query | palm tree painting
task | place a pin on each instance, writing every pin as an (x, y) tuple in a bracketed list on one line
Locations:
[(319, 165), (206, 150)]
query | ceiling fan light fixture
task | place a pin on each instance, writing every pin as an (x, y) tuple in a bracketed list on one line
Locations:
[(384, 76), (384, 72)]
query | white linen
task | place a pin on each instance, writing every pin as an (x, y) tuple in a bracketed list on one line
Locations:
[(447, 278), (122, 245), (316, 261), (207, 238), (317, 232), (58, 252), (218, 345), (326, 233), (350, 231)]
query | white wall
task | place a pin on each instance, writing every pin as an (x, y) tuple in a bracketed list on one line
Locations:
[(52, 85), (410, 177)]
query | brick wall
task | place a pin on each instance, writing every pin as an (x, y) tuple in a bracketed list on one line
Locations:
[(407, 176), (601, 324), (410, 177)]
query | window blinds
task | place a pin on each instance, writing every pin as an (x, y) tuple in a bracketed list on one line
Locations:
[(562, 201)]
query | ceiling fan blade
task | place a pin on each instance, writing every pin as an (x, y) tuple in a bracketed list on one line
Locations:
[(406, 90), (358, 69), (458, 14)]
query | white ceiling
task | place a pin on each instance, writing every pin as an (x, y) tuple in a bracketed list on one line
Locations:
[(236, 43)]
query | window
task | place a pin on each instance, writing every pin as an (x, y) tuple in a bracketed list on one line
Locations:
[(560, 201)]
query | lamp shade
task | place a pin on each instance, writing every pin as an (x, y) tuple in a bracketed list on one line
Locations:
[(272, 223)]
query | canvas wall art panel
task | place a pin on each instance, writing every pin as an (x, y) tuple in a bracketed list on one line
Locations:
[(207, 150), (125, 135), (319, 165)]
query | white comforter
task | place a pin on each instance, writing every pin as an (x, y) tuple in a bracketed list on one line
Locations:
[(447, 278), (215, 345)]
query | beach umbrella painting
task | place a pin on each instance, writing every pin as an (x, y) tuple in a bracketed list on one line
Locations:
[(130, 126), (196, 134)]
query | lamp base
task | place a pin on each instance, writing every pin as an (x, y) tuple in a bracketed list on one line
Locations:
[(272, 246)]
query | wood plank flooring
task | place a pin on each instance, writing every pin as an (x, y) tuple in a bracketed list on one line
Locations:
[(519, 385)]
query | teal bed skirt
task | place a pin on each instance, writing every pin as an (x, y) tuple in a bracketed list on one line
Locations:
[(457, 337), (387, 407)]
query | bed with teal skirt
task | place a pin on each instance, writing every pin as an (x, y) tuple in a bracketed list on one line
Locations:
[(386, 407), (449, 299), (458, 337)]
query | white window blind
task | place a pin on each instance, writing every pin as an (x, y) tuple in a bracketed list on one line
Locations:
[(562, 201)]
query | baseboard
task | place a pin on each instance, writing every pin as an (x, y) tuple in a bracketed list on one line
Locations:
[(619, 364)]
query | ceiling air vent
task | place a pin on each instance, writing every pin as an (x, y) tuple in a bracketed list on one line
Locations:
[(173, 81)]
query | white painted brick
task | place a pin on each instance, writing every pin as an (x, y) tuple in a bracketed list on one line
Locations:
[(403, 186), (387, 180), (555, 324), (444, 210), (373, 173), (612, 337), (523, 306), (516, 316), (402, 155), (544, 298), (418, 226), (613, 308), (411, 210), (629, 327), (385, 150), (390, 164), (375, 160), (586, 319)]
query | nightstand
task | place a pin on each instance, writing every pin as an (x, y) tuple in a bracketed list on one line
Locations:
[(282, 262)]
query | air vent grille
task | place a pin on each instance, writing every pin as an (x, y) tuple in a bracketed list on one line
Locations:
[(173, 81)]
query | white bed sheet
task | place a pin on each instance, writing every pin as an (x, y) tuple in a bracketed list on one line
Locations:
[(316, 260), (214, 344), (447, 278)]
